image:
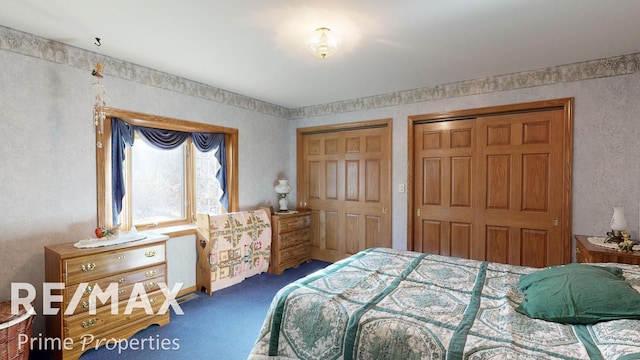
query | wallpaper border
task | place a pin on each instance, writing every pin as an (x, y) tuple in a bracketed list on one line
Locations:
[(50, 50)]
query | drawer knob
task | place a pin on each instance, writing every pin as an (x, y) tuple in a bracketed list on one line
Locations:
[(151, 285), (150, 273), (150, 253), (122, 291), (153, 301), (121, 257), (89, 323), (85, 304), (87, 267), (88, 290), (121, 280)]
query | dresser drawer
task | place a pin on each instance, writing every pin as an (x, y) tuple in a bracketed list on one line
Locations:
[(149, 277), (90, 267), (103, 321), (292, 223), (294, 238), (298, 253)]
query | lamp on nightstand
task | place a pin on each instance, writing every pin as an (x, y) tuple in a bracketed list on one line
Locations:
[(283, 188), (618, 224)]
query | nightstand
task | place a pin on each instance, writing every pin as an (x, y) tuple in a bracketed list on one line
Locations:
[(291, 240), (586, 252)]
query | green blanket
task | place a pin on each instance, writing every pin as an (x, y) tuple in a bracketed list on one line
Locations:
[(388, 304)]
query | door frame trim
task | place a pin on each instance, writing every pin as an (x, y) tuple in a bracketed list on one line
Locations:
[(566, 104)]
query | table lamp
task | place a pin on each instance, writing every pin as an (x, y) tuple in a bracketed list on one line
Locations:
[(283, 188)]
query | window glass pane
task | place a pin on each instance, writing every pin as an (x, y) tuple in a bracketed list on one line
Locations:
[(158, 184), (208, 190)]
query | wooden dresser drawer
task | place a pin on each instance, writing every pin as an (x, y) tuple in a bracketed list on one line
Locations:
[(294, 238), (103, 321), (296, 253), (90, 267), (292, 223), (149, 277)]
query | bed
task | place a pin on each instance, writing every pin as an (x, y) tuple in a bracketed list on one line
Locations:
[(389, 304)]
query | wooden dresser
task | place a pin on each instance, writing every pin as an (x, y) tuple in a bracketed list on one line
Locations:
[(140, 264), (586, 252), (291, 240)]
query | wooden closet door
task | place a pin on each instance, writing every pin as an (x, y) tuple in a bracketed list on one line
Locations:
[(491, 188), (520, 159), (444, 156), (345, 182)]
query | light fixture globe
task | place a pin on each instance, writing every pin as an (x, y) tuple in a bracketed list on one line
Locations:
[(323, 43)]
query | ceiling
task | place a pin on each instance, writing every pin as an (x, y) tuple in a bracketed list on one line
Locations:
[(257, 47)]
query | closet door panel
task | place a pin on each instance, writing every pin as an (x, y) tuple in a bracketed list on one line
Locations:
[(444, 187), (521, 193)]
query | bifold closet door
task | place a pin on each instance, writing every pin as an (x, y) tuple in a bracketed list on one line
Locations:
[(345, 183)]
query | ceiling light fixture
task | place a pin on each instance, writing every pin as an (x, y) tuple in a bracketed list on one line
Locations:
[(323, 43)]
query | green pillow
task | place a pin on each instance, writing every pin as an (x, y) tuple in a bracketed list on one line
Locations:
[(578, 294)]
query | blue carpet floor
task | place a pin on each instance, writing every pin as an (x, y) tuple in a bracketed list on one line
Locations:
[(224, 326)]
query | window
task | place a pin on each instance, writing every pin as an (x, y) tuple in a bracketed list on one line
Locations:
[(208, 190), (165, 187), (158, 190)]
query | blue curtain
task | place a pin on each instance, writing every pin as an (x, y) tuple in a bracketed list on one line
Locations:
[(122, 134)]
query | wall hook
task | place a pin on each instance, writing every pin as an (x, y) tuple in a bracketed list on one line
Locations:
[(97, 43)]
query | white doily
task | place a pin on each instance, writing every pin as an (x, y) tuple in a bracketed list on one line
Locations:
[(600, 241), (122, 238)]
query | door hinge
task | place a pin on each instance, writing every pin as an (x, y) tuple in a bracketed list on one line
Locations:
[(555, 221), (418, 212)]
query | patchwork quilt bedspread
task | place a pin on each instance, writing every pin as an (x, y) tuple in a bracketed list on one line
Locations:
[(388, 304)]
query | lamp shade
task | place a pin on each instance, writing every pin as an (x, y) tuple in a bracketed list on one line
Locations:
[(618, 222), (283, 186)]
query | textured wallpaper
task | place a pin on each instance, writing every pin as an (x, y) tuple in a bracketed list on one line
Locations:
[(47, 169)]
